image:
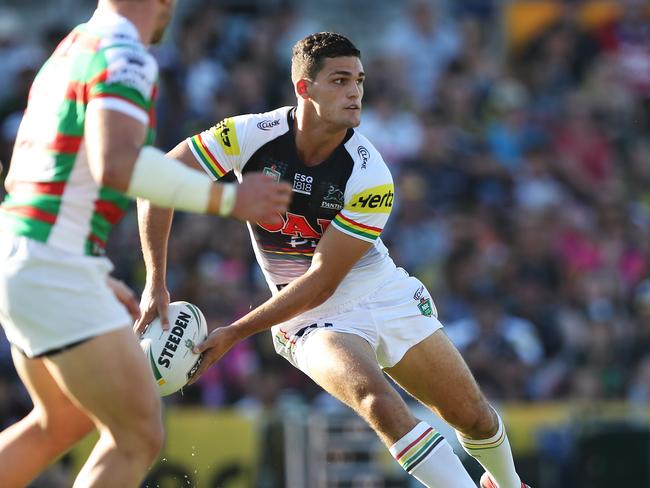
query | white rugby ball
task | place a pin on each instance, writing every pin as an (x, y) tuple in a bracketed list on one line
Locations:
[(169, 352)]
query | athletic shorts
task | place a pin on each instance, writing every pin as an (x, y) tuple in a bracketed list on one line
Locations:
[(393, 317), (50, 299)]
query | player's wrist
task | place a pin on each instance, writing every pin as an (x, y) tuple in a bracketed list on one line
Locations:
[(227, 199)]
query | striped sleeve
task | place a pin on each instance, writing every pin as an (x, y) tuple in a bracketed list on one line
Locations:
[(218, 148), (368, 202), (124, 80)]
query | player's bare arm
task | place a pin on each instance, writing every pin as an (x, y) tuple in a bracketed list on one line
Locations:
[(258, 198), (113, 142), (334, 256)]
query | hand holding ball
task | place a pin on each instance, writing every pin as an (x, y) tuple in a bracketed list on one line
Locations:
[(169, 352)]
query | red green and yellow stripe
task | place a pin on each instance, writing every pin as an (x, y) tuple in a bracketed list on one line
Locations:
[(347, 224), (419, 449), (284, 339), (210, 161)]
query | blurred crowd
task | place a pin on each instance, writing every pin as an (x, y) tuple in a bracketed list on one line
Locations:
[(522, 177)]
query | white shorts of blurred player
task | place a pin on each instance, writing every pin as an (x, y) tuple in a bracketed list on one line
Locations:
[(392, 317), (51, 299)]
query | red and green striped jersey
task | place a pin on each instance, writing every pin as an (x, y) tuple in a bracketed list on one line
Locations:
[(101, 64)]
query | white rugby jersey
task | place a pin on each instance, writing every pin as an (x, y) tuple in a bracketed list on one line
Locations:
[(351, 190)]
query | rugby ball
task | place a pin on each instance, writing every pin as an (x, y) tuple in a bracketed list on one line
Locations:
[(169, 352)]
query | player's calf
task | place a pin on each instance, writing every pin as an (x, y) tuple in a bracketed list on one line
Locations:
[(494, 454), (426, 455)]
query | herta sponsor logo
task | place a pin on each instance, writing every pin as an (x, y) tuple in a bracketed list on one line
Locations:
[(175, 337), (268, 124), (424, 303), (302, 183), (378, 199), (364, 154), (226, 136), (334, 199)]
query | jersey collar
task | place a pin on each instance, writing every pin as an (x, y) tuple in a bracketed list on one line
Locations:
[(105, 19)]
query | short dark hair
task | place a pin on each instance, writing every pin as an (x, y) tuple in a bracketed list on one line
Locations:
[(308, 54)]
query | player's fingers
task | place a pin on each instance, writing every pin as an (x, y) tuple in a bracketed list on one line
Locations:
[(126, 297), (163, 313), (147, 314), (206, 362), (206, 344), (132, 306)]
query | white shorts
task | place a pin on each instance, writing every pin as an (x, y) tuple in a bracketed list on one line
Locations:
[(50, 299), (397, 315)]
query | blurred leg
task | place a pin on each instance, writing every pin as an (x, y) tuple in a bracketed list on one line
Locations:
[(109, 377), (51, 428)]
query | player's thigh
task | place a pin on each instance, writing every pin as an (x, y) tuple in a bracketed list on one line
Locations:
[(434, 372), (110, 378), (52, 406), (346, 366)]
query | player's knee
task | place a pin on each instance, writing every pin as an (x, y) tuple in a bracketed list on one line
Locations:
[(475, 421), (142, 439), (380, 406), (154, 437)]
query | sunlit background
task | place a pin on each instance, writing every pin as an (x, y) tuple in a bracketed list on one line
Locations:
[(518, 134)]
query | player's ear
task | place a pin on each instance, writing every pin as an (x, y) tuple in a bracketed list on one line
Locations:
[(302, 88)]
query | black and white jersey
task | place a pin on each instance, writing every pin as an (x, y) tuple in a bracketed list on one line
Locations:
[(351, 190)]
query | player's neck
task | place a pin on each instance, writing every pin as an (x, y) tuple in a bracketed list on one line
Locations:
[(139, 13), (315, 140)]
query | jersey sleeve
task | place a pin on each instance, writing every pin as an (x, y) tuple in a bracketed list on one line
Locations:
[(224, 147), (124, 79), (368, 201)]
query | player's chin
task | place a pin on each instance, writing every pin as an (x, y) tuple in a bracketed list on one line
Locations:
[(353, 118)]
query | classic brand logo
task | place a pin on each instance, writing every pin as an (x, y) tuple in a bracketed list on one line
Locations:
[(226, 135), (378, 199), (364, 154), (268, 124), (302, 184), (334, 199)]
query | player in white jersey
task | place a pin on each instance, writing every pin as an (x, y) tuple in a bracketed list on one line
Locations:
[(78, 155), (341, 311)]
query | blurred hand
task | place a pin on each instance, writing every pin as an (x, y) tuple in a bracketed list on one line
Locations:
[(260, 198), (125, 295), (153, 303), (218, 343)]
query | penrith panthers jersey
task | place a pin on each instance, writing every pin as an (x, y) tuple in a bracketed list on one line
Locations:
[(352, 190)]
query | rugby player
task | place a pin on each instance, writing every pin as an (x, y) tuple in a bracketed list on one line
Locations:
[(341, 310), (81, 151)]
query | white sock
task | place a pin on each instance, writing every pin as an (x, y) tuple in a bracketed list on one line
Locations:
[(495, 456), (425, 454)]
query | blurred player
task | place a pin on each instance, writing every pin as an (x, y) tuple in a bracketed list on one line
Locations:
[(79, 153), (341, 310)]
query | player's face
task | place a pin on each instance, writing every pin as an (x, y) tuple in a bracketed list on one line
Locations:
[(337, 91), (165, 11)]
